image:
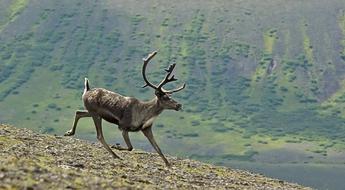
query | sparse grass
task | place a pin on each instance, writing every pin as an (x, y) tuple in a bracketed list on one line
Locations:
[(53, 162)]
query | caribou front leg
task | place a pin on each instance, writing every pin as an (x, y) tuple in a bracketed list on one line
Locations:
[(78, 114), (127, 140), (98, 123), (148, 133)]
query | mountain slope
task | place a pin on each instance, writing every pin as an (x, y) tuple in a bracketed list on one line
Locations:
[(31, 160)]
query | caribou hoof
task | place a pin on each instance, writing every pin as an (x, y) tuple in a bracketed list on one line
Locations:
[(69, 133)]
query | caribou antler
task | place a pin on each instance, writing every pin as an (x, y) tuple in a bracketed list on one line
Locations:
[(171, 79), (166, 79), (146, 61), (176, 89)]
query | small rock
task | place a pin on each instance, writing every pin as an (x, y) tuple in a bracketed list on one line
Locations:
[(78, 165)]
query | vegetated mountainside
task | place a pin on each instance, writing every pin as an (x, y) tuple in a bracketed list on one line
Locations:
[(260, 75), (34, 161)]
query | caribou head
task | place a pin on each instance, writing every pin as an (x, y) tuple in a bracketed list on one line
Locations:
[(163, 96)]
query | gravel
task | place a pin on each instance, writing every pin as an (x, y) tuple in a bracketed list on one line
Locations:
[(36, 161)]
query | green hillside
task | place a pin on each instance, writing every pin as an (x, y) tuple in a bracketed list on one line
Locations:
[(261, 75)]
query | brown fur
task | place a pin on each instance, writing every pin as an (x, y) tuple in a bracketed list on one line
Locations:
[(129, 113)]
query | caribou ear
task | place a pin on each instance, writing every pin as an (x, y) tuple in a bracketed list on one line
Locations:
[(158, 93)]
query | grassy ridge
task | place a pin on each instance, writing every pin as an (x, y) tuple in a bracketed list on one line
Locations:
[(31, 160)]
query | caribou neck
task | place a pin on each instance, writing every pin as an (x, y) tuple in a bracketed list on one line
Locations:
[(152, 107)]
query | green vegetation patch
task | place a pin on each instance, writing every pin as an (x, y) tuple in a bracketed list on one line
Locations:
[(270, 37), (342, 28), (16, 7), (13, 10), (307, 46)]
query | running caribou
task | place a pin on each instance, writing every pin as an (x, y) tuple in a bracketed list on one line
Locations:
[(129, 113)]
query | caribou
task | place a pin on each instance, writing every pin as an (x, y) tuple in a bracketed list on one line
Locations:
[(128, 113)]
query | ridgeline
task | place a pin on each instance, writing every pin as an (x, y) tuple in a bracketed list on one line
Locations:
[(38, 161)]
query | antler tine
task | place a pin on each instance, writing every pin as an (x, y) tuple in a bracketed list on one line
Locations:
[(175, 90), (146, 61), (166, 78)]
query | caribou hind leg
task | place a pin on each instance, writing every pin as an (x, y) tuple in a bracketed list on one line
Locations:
[(78, 114)]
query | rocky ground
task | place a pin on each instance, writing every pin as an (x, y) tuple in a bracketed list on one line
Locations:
[(35, 161)]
